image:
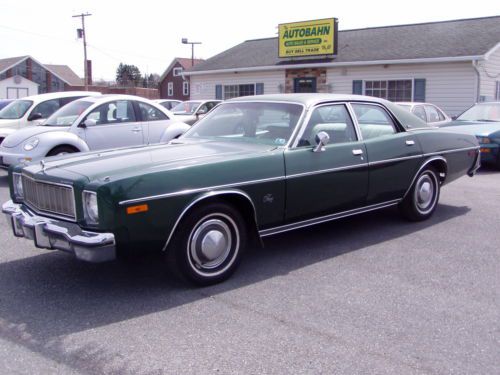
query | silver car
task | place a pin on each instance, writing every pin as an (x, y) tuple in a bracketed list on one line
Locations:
[(430, 113), (193, 110), (93, 123)]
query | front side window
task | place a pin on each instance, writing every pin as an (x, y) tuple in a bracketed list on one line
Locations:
[(373, 121), (394, 90), (186, 108), (332, 119), (150, 113), (250, 122), (433, 114), (47, 108), (115, 112), (15, 110)]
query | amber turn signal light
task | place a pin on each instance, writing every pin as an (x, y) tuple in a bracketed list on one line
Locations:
[(136, 209)]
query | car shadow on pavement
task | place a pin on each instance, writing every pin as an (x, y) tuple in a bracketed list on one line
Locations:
[(51, 295), (4, 182)]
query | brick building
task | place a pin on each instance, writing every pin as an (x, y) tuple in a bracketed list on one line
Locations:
[(173, 83)]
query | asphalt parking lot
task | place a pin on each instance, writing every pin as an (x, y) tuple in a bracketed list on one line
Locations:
[(371, 294)]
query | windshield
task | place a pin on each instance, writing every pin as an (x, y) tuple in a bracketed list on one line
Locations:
[(15, 110), (482, 112), (254, 122), (185, 108), (67, 115)]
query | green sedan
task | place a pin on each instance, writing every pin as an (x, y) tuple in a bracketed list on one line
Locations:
[(253, 167)]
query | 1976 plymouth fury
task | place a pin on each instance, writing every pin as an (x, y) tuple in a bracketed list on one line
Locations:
[(254, 167)]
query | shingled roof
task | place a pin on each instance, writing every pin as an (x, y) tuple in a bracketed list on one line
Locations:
[(448, 39)]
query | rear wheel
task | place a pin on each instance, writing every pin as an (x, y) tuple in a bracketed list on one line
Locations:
[(421, 201), (61, 150), (208, 244)]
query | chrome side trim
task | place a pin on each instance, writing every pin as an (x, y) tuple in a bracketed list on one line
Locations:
[(452, 151), (199, 190), (205, 196), (396, 159), (323, 219), (427, 162), (321, 171)]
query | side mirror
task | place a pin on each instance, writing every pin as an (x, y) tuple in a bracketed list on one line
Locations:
[(322, 139), (35, 116), (454, 117), (88, 122), (202, 111)]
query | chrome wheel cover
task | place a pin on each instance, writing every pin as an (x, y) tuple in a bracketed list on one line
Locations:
[(425, 194), (213, 244)]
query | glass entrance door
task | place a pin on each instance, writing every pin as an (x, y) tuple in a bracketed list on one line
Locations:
[(306, 84)]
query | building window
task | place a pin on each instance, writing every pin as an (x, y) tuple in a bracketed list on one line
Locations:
[(185, 88), (233, 91), (177, 72), (396, 91), (170, 89)]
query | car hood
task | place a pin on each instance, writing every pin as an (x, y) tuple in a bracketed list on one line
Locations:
[(477, 128), (126, 162), (5, 123), (24, 134)]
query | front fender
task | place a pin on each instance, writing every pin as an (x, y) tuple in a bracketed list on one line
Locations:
[(50, 140)]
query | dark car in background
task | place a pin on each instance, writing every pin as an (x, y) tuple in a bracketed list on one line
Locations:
[(483, 121)]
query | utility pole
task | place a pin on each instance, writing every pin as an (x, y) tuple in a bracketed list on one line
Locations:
[(82, 33)]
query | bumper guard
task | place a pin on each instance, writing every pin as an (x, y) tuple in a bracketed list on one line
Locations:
[(57, 234)]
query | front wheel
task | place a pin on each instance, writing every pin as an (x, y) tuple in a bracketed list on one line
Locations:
[(421, 201), (208, 244), (61, 150)]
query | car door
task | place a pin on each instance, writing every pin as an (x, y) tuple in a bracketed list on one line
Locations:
[(116, 126), (392, 153), (154, 122), (330, 180)]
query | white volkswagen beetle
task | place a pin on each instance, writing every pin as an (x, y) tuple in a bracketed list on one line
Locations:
[(93, 123)]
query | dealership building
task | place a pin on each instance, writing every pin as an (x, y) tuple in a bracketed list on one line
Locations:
[(452, 64)]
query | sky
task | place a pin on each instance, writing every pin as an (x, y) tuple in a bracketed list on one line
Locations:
[(148, 33)]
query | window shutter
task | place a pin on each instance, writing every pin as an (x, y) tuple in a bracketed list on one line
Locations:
[(357, 87), (259, 89), (218, 92), (419, 90)]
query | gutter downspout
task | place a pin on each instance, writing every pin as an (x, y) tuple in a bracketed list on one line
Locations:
[(478, 75)]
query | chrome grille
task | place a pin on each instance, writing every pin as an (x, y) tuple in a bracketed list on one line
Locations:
[(53, 199)]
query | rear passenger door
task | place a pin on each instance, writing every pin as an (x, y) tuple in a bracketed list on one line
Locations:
[(393, 154), (155, 122)]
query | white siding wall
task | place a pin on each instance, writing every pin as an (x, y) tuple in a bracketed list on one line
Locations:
[(490, 74), (451, 86), (203, 86), (9, 88)]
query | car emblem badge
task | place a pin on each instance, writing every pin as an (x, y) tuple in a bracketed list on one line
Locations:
[(268, 198)]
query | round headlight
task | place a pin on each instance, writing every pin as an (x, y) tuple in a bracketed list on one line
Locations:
[(31, 144), (90, 207)]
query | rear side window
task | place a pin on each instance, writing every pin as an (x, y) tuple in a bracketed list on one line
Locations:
[(150, 113), (373, 121), (419, 111)]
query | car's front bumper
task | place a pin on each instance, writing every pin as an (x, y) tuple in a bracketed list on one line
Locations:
[(61, 235), (489, 152)]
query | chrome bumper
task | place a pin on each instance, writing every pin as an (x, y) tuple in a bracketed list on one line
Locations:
[(57, 234)]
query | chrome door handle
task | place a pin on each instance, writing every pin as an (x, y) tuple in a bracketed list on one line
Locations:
[(357, 151), (410, 142), (136, 130)]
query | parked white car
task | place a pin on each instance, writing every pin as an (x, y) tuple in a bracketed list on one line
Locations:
[(93, 123), (430, 113), (35, 109), (168, 103), (191, 111)]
